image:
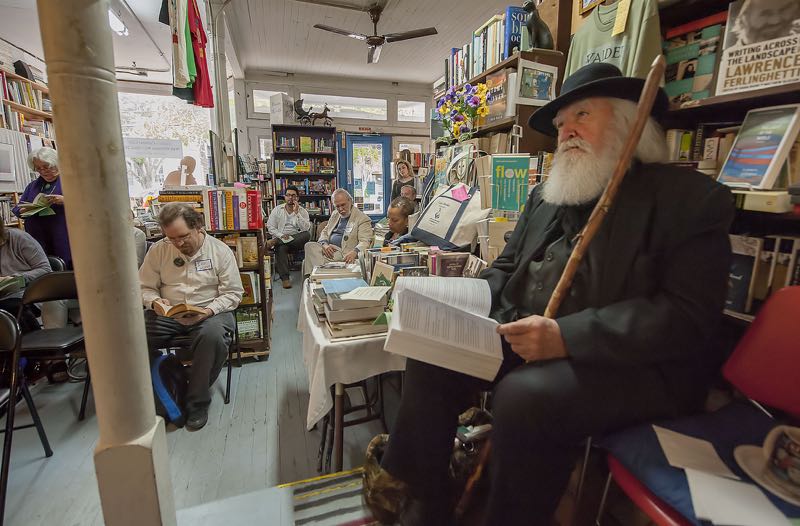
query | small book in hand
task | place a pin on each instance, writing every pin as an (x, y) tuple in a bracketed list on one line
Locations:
[(177, 312), (39, 206)]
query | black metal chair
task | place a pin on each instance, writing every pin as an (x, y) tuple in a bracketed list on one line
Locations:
[(10, 339), (184, 342), (56, 264), (59, 343)]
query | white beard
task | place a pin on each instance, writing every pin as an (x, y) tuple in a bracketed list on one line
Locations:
[(578, 175)]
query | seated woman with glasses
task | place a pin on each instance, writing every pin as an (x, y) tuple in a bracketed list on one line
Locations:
[(47, 226)]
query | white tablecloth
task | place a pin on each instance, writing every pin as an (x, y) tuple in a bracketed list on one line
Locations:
[(328, 363)]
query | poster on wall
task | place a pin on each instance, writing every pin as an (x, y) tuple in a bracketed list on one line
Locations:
[(758, 53)]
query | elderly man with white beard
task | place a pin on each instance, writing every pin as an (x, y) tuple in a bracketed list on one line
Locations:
[(630, 342)]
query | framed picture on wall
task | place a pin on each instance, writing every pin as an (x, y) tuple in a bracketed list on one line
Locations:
[(584, 6), (7, 163), (536, 83)]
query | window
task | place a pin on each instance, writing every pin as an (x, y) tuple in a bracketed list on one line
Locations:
[(410, 111), (232, 107), (261, 100), (264, 148), (347, 107)]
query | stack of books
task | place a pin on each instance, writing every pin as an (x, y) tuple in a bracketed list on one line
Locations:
[(349, 307), (335, 270)]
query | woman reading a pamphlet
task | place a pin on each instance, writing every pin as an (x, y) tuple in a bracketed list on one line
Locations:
[(41, 206)]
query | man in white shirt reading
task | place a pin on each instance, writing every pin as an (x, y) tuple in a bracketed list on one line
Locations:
[(191, 267), (289, 227)]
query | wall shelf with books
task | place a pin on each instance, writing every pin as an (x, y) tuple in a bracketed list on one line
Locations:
[(734, 105), (253, 316), (313, 148)]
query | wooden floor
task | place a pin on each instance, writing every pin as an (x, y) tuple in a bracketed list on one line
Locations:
[(257, 441)]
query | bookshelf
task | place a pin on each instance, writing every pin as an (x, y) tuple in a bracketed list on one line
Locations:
[(531, 141), (252, 347), (305, 156), (26, 106), (732, 107)]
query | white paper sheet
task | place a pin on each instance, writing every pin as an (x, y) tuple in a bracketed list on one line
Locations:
[(366, 293), (731, 502), (691, 453)]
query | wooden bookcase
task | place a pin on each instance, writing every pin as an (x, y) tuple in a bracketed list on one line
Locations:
[(317, 184), (531, 141), (730, 107), (255, 348), (29, 99)]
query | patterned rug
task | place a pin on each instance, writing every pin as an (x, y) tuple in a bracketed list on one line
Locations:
[(330, 500)]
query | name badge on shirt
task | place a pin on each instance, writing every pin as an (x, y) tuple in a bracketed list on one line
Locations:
[(202, 264), (348, 228)]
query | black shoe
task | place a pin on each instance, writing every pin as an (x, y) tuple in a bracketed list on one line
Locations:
[(198, 417)]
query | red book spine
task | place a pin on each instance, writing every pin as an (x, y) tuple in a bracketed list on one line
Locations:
[(212, 209), (251, 209)]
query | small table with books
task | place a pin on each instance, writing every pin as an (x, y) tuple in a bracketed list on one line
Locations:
[(336, 362)]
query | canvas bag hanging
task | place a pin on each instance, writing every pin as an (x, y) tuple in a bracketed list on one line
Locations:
[(450, 221)]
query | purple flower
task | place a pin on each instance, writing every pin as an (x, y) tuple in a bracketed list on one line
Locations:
[(453, 113), (473, 101), (439, 103), (459, 118), (465, 129)]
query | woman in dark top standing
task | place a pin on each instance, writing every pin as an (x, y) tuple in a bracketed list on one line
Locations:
[(49, 230), (398, 213), (404, 174)]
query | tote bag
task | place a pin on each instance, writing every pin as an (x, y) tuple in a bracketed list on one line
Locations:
[(450, 221)]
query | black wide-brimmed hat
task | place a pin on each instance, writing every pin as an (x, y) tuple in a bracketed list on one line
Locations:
[(594, 80)]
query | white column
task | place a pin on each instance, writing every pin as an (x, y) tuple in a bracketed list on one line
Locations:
[(221, 107), (131, 459)]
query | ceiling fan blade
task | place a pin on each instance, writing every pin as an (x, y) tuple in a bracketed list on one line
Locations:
[(333, 3), (357, 36), (396, 37), (374, 54)]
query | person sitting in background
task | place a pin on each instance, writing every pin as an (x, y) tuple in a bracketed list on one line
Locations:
[(192, 267), (289, 226), (140, 242), (349, 231), (49, 230), (398, 213), (410, 193), (404, 176), (20, 255)]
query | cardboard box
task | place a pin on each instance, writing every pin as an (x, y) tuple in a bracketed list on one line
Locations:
[(281, 109)]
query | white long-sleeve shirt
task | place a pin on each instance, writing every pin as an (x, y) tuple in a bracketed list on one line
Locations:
[(209, 279), (276, 223)]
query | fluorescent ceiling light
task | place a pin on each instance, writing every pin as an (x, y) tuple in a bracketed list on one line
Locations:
[(116, 24)]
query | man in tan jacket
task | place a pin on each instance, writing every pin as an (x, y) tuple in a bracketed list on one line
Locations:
[(349, 232)]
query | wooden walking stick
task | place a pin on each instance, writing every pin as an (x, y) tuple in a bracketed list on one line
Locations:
[(585, 236)]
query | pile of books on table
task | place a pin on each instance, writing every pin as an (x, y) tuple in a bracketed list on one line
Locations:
[(335, 270), (349, 307), (383, 265)]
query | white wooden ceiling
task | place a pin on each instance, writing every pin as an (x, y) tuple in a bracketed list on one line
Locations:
[(278, 36)]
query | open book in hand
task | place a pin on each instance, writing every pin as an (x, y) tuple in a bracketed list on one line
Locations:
[(444, 322), (39, 206), (11, 284), (178, 312)]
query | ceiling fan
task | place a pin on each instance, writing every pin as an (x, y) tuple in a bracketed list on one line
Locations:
[(376, 41)]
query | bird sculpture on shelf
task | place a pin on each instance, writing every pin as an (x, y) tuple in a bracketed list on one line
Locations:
[(539, 34)]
